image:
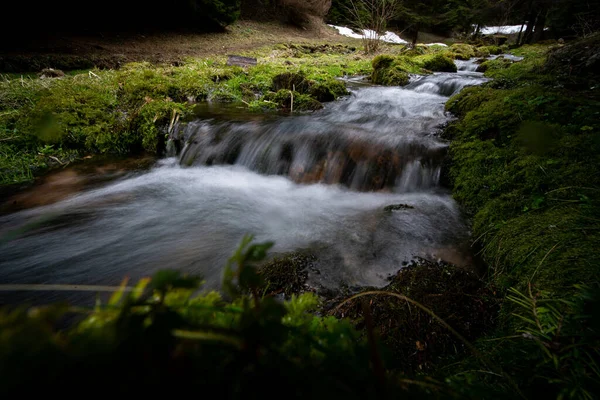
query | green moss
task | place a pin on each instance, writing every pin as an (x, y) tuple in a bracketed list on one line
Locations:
[(391, 71), (495, 50), (287, 274), (382, 61), (437, 63), (482, 51), (291, 81), (328, 90), (524, 163), (394, 71), (417, 342), (301, 102), (463, 51), (123, 111)]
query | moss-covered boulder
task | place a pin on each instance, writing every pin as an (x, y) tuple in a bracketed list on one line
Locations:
[(463, 51), (290, 81), (439, 63), (482, 51), (495, 50), (328, 90), (494, 65), (287, 99), (389, 71), (382, 61)]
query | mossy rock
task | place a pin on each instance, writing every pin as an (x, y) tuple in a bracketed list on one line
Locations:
[(495, 50), (328, 90), (415, 51), (494, 65), (393, 75), (463, 51), (482, 67), (290, 81), (482, 51), (439, 63), (382, 61), (302, 102), (287, 274), (416, 340)]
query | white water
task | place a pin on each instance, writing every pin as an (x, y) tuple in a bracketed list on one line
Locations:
[(193, 218)]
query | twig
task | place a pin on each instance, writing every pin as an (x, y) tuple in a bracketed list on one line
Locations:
[(541, 262), (63, 288), (292, 104), (57, 160)]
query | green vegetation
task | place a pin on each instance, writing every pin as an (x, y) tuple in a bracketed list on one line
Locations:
[(50, 122), (525, 157), (163, 335), (415, 340), (392, 70)]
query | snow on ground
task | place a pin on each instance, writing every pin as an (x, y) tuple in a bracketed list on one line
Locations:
[(389, 37), (505, 29)]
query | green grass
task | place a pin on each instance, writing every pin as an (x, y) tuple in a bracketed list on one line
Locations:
[(123, 111), (525, 157)]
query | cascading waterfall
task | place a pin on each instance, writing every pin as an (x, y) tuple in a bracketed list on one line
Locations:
[(317, 181)]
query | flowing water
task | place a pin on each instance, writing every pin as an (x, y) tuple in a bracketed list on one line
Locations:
[(318, 181)]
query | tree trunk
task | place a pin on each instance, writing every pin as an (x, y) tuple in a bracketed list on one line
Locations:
[(415, 35), (540, 24), (520, 33), (530, 20), (529, 31)]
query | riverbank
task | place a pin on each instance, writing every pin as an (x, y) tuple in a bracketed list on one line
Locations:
[(52, 122), (524, 166)]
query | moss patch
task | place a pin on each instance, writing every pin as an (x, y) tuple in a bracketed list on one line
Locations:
[(287, 274), (416, 341), (51, 122), (463, 51), (525, 164), (437, 63)]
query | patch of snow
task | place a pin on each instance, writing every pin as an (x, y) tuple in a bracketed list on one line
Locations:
[(389, 37), (435, 44), (504, 29), (342, 30)]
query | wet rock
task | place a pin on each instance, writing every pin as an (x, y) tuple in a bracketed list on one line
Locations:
[(396, 207), (287, 274)]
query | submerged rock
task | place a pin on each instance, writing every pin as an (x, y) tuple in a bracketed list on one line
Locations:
[(396, 207)]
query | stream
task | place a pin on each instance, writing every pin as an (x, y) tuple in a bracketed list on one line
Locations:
[(317, 181)]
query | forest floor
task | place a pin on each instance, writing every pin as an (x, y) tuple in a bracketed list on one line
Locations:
[(112, 50)]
